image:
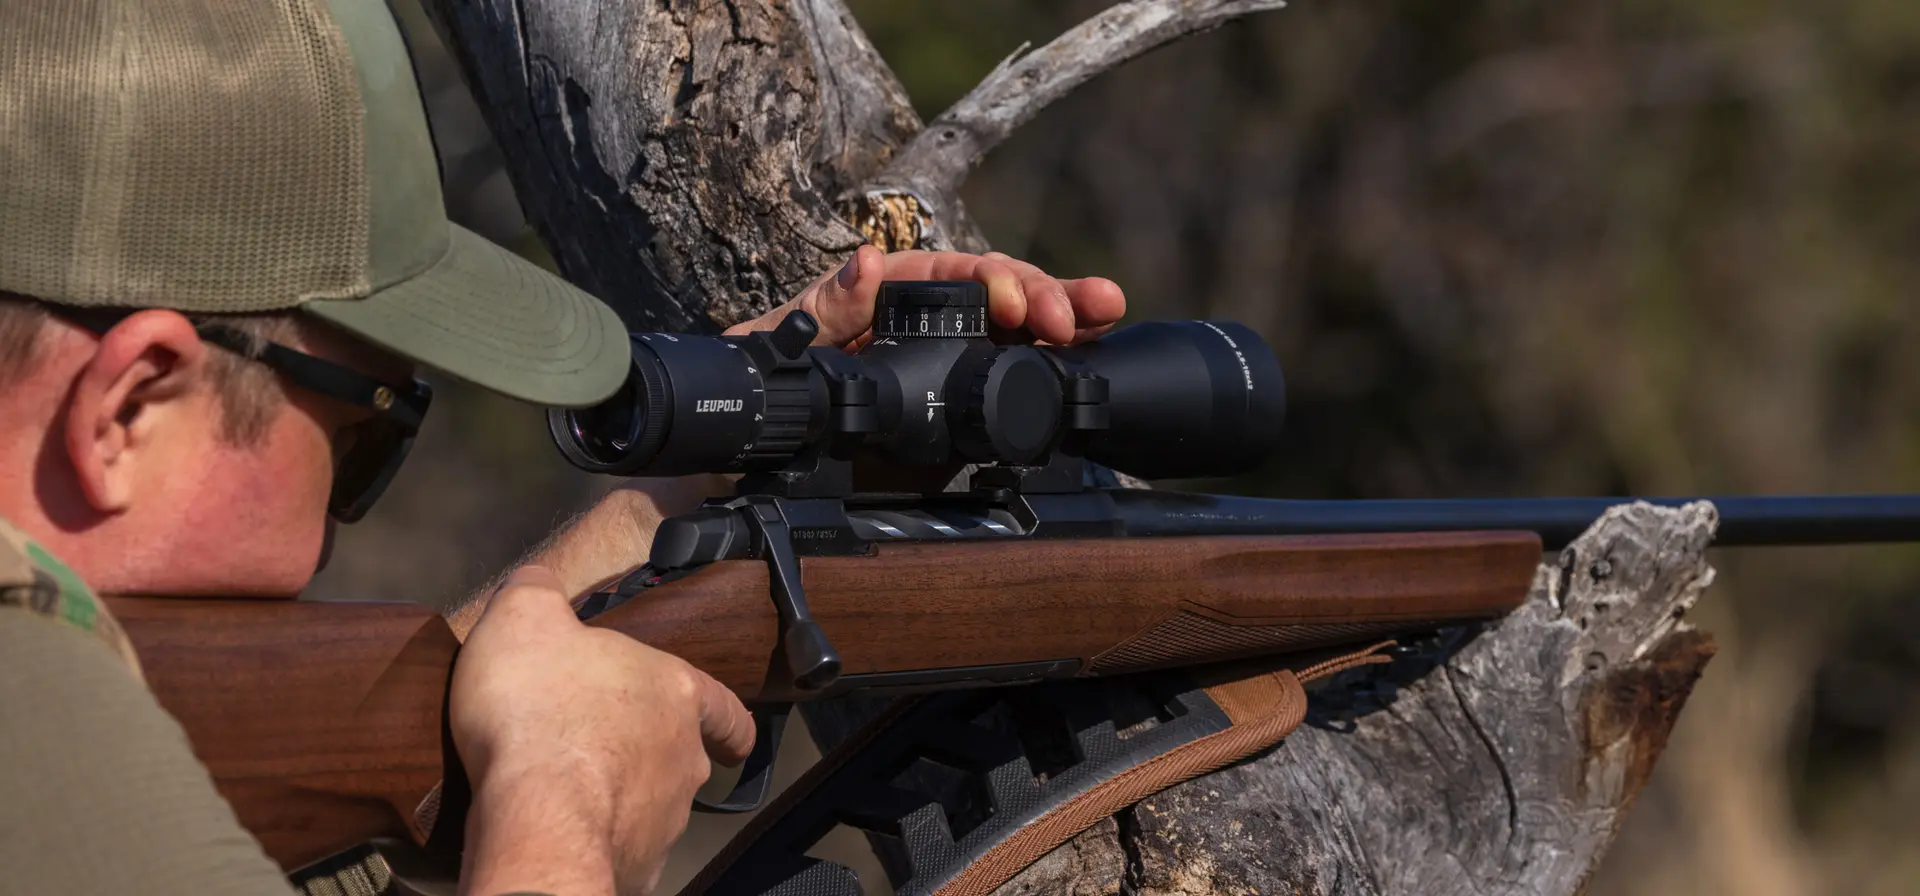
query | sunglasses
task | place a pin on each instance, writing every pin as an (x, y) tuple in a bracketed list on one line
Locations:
[(367, 454)]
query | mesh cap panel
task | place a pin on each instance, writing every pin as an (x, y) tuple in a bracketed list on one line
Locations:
[(231, 156), (202, 155)]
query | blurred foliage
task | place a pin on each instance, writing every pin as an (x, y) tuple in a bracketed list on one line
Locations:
[(1502, 248), (1578, 248)]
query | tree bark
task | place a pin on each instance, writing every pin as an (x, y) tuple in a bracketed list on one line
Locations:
[(679, 158), (1503, 766), (695, 164)]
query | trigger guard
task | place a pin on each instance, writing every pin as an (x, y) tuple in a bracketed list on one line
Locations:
[(756, 774)]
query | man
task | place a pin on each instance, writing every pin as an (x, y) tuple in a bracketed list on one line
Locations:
[(222, 255)]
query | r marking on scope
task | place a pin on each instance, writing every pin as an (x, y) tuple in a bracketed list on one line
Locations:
[(933, 403)]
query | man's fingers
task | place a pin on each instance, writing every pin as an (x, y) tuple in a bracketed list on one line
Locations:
[(1090, 333), (920, 264), (1019, 296), (1049, 314), (1007, 301), (726, 727), (1097, 301), (1051, 309)]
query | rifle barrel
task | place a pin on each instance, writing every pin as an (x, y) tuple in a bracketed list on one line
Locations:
[(1777, 520)]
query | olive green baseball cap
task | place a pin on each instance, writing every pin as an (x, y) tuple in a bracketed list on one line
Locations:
[(242, 156)]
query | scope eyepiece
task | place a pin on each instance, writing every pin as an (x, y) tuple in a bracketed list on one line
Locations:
[(697, 404), (1155, 399), (624, 433)]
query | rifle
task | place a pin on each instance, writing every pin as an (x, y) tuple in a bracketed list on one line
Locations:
[(844, 564)]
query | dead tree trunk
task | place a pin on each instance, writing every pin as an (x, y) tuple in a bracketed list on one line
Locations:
[(694, 164)]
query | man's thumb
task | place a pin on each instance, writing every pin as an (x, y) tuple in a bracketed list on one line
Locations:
[(844, 303)]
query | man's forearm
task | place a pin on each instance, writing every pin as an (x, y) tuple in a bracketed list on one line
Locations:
[(603, 543)]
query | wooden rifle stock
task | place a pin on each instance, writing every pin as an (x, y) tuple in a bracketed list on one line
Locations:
[(1083, 607), (321, 722)]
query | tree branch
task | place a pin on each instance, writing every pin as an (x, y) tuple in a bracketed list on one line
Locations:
[(931, 168), (864, 110)]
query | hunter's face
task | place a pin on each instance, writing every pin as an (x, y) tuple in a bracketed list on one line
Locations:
[(257, 513), (161, 466)]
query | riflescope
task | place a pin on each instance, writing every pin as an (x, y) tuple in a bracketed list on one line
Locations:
[(1156, 399)]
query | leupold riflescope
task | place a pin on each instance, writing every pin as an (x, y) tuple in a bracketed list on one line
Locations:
[(1156, 399)]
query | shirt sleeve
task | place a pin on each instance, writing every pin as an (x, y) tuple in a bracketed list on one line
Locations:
[(99, 789)]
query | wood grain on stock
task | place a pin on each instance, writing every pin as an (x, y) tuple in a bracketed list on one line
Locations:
[(320, 722), (1114, 604)]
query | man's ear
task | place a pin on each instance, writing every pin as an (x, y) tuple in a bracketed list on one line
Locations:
[(134, 384)]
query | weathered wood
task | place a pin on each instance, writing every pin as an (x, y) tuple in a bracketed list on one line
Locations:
[(679, 159), (1505, 769)]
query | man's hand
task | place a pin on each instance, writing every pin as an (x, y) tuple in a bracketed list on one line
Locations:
[(584, 747), (1020, 297)]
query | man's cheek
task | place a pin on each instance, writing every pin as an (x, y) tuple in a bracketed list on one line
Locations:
[(294, 476)]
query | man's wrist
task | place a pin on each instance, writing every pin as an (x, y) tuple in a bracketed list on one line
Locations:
[(615, 535), (599, 545), (535, 832)]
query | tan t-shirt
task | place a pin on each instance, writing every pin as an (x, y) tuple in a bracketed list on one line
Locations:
[(99, 789)]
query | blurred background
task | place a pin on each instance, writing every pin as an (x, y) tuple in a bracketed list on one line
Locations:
[(1593, 247)]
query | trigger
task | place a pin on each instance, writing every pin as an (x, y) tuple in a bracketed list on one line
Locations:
[(756, 774)]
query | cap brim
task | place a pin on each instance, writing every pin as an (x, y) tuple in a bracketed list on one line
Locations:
[(494, 319)]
